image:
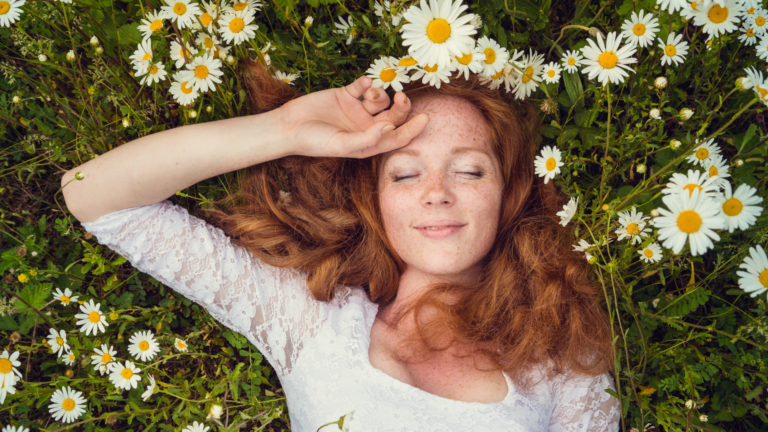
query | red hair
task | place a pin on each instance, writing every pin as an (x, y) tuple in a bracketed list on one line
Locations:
[(535, 300)]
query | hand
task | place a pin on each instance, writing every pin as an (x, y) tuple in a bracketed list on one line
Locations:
[(336, 123)]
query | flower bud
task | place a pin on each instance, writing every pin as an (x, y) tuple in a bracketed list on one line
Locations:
[(703, 418), (99, 50), (222, 55), (94, 41), (655, 113), (686, 113), (34, 253), (208, 109), (230, 59), (606, 207), (79, 175), (675, 144), (660, 82), (192, 113), (215, 412), (739, 162), (42, 57), (593, 31), (655, 213), (476, 22), (16, 99), (127, 122), (308, 21), (71, 55), (640, 169), (743, 83), (689, 404)]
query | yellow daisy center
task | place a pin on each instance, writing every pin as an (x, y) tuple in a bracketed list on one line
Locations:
[(126, 373), (695, 6), (717, 14), (648, 253), (208, 43), (106, 358), (490, 55), (153, 70), (64, 299), (670, 50), (406, 62), (528, 75), (206, 19), (571, 61), (464, 59), (760, 21), (181, 53), (750, 32), (71, 357), (4, 7), (5, 366), (147, 56), (240, 6), (388, 74), (143, 345), (712, 171), (60, 341), (179, 8), (236, 25), (185, 89), (201, 71), (764, 278), (551, 164), (608, 60), (551, 73), (633, 229), (692, 187), (751, 11), (287, 80), (763, 92), (732, 207), (702, 153), (498, 74), (431, 68), (438, 30), (638, 29), (94, 316), (689, 221), (68, 404), (156, 25), (181, 344)]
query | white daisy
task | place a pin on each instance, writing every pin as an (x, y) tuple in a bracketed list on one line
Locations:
[(568, 211), (141, 57), (11, 11), (689, 9), (91, 320), (571, 61), (240, 5), (651, 254), (124, 376), (690, 217), (182, 90), (606, 61), (66, 297), (674, 50), (208, 18), (154, 73), (703, 152), (9, 375), (716, 19), (433, 75), (287, 78), (551, 72), (184, 12), (749, 35), (207, 43), (385, 15), (385, 72), (143, 346), (582, 247), (632, 226), (238, 26), (495, 56), (180, 344), (717, 166), (471, 61), (511, 73), (693, 181), (103, 357), (408, 63), (739, 209), (151, 24), (67, 405), (671, 5), (177, 53), (434, 31), (548, 163), (494, 82), (346, 28), (754, 77), (203, 72), (759, 20), (10, 428), (531, 67), (196, 427), (750, 7), (655, 302), (150, 389), (70, 358), (58, 342), (640, 29), (754, 280)]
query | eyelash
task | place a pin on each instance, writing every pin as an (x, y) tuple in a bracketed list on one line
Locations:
[(477, 174)]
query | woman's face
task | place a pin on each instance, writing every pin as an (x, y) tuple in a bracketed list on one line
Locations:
[(447, 174)]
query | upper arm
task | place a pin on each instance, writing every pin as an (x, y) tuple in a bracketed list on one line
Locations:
[(271, 306), (582, 404)]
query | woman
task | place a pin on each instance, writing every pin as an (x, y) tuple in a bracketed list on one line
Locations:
[(417, 275)]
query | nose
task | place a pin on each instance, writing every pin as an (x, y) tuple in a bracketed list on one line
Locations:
[(437, 192)]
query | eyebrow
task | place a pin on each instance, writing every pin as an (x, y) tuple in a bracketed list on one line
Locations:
[(456, 150)]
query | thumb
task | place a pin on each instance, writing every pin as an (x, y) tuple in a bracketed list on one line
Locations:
[(362, 144)]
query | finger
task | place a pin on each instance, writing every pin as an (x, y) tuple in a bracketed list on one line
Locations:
[(357, 88), (375, 100), (360, 144), (399, 111), (402, 135)]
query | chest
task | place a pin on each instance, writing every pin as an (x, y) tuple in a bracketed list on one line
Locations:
[(443, 375)]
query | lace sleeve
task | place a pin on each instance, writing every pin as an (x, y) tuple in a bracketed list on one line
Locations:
[(269, 305), (581, 404)]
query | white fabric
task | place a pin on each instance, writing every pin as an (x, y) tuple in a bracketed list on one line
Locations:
[(320, 350)]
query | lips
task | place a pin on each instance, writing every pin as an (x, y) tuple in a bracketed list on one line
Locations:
[(442, 223)]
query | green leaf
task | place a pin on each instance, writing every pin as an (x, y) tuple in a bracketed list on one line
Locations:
[(313, 3), (748, 136), (574, 88), (129, 34), (36, 296), (625, 7), (754, 392)]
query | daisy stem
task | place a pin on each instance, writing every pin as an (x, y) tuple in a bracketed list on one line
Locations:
[(45, 318)]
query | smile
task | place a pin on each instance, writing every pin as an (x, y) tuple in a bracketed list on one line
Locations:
[(439, 232)]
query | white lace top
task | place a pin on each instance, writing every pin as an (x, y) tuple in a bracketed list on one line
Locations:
[(320, 350)]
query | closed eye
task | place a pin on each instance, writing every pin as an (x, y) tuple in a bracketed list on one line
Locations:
[(476, 174)]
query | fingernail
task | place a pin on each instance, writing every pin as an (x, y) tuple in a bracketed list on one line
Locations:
[(375, 94), (387, 128)]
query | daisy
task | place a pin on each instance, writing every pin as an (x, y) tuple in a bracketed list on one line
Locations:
[(9, 375), (551, 72), (690, 9), (11, 12), (196, 427), (207, 43), (641, 29), (549, 163), (180, 344), (346, 28), (64, 297), (67, 404), (749, 35), (408, 63), (238, 26), (716, 19), (651, 254), (494, 81), (143, 346), (91, 320), (142, 56), (531, 68), (754, 77), (384, 14), (671, 5), (284, 198), (582, 247), (434, 31), (606, 61), (10, 428), (571, 61), (693, 181), (152, 23), (125, 376), (716, 166), (511, 73), (184, 12), (470, 61), (750, 7), (690, 217), (153, 73), (632, 226), (739, 209), (703, 152), (182, 90), (755, 279), (177, 53), (674, 50), (495, 56), (58, 342), (208, 17), (759, 20), (103, 357), (203, 72), (150, 389), (433, 74), (385, 72), (568, 211), (287, 78), (240, 5), (69, 359)]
